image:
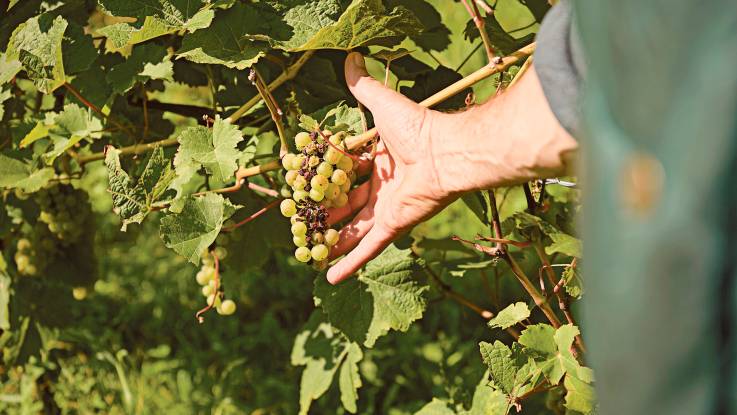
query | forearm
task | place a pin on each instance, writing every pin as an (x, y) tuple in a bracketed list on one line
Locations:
[(510, 139)]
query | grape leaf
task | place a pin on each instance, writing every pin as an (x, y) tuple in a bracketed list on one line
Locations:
[(215, 149), (4, 296), (550, 349), (190, 232), (436, 407), (579, 396), (507, 368), (4, 96), (565, 244), (159, 17), (502, 42), (487, 401), (511, 315), (37, 44), (9, 67), (134, 199), (385, 296), (349, 380), (71, 126), (15, 173), (78, 50), (524, 220), (149, 61)]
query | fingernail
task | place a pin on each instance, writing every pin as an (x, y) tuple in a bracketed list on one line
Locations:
[(358, 60)]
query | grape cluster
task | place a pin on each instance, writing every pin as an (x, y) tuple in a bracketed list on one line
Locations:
[(210, 289), (320, 176), (64, 210), (32, 253)]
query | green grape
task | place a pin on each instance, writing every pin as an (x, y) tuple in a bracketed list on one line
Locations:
[(337, 139), (316, 194), (288, 160), (79, 293), (205, 275), (319, 252), (300, 240), (300, 195), (221, 252), (207, 291), (341, 200), (299, 229), (46, 217), (325, 169), (288, 207), (285, 191), (331, 237), (314, 161), (332, 191), (345, 187), (294, 219), (208, 260), (302, 139), (339, 177), (22, 261), (303, 254), (298, 161), (299, 183), (213, 284), (333, 156), (345, 163), (226, 308), (317, 238), (213, 300), (319, 182), (23, 244), (290, 176)]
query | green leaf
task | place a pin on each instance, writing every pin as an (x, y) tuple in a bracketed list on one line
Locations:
[(435, 407), (502, 42), (17, 174), (190, 232), (149, 61), (4, 296), (214, 149), (386, 296), (487, 401), (134, 199), (349, 380), (565, 244), (508, 369), (71, 126), (159, 17), (573, 282), (524, 220), (78, 50), (9, 67), (511, 315), (389, 55), (550, 349), (4, 96), (580, 395), (37, 44)]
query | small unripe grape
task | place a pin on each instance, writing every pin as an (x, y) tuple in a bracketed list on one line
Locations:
[(46, 217), (290, 176), (303, 254), (22, 261), (345, 187), (339, 177), (294, 219), (208, 260), (213, 300), (23, 244), (317, 238), (341, 200), (325, 169), (287, 161), (288, 207), (299, 229), (319, 252), (337, 139), (300, 240), (316, 194), (221, 252), (302, 139), (226, 308), (285, 191), (204, 276), (299, 183), (319, 182), (332, 191), (332, 156), (79, 293), (345, 163), (212, 283), (31, 269), (320, 265), (298, 161), (207, 291), (314, 161), (300, 195), (331, 237)]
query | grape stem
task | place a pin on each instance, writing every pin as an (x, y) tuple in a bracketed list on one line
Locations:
[(216, 277), (473, 10), (94, 108), (253, 216), (273, 107), (349, 155)]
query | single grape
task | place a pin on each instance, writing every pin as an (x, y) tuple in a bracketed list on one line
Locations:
[(332, 156), (319, 182), (290, 176), (300, 195), (31, 270), (300, 240), (23, 244), (288, 207), (221, 252), (207, 290), (204, 276), (213, 300), (316, 194), (285, 191), (294, 219), (299, 183), (331, 237), (317, 238), (213, 284), (341, 200), (79, 293), (302, 139), (303, 254), (337, 139), (345, 163), (314, 161), (226, 308), (298, 161), (332, 191), (299, 229), (325, 169), (319, 252), (345, 187), (22, 261), (339, 177), (208, 260)]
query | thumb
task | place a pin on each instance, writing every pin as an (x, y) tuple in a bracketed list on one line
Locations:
[(370, 92)]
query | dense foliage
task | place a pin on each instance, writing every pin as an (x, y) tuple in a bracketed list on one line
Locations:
[(141, 174)]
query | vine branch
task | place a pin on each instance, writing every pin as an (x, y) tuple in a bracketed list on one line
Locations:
[(273, 107)]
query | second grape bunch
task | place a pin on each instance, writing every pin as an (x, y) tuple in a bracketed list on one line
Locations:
[(320, 177)]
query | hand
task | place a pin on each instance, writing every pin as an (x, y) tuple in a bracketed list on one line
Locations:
[(426, 159)]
